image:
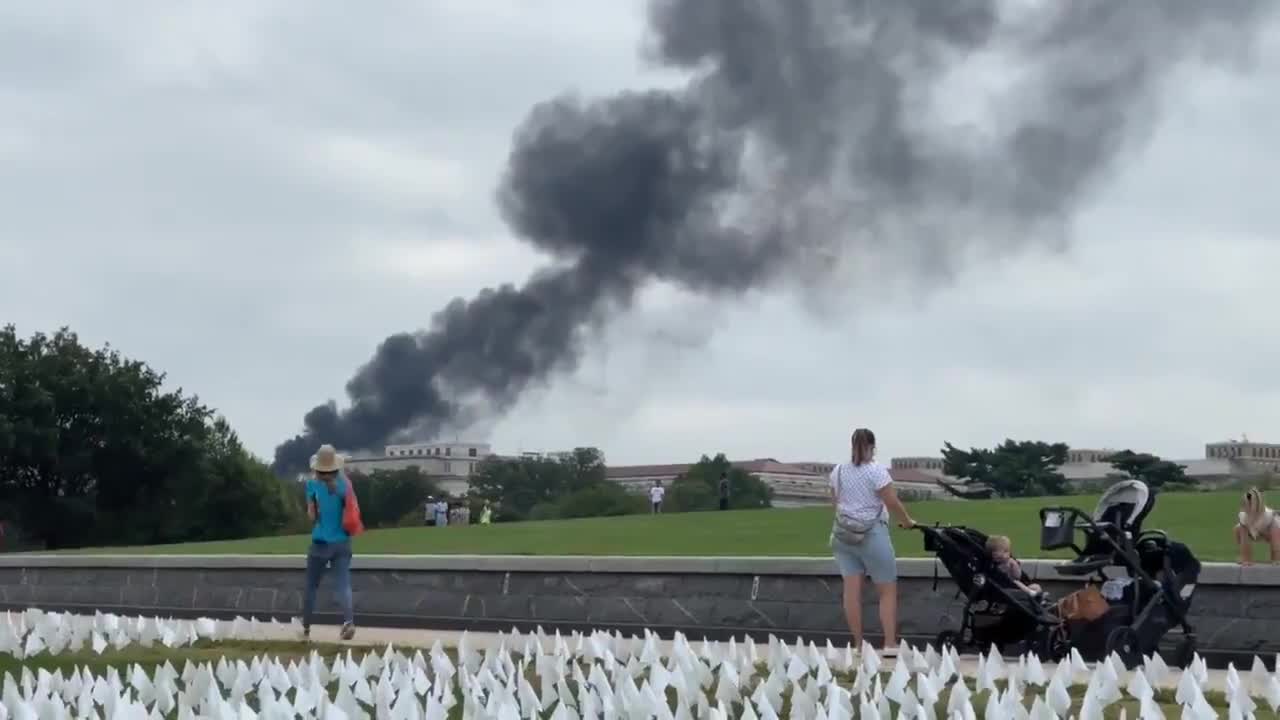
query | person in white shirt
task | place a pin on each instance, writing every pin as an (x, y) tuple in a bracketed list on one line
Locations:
[(656, 493), (863, 495), (1256, 523)]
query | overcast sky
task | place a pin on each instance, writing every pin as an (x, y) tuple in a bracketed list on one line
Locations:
[(251, 195)]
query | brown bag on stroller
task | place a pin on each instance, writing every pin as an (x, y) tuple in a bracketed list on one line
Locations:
[(1086, 604)]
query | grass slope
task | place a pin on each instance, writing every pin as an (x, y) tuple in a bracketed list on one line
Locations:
[(1202, 520)]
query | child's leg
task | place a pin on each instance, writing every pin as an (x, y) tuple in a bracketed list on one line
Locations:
[(1274, 539)]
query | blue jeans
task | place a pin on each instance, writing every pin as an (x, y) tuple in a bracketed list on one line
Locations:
[(321, 557)]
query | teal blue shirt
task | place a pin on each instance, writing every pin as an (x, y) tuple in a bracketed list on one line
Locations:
[(328, 527)]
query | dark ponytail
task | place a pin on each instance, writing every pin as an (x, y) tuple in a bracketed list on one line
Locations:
[(864, 444)]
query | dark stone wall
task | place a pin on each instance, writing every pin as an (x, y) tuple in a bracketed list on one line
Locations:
[(790, 600)]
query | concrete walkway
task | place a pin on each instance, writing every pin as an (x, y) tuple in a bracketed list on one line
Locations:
[(401, 638)]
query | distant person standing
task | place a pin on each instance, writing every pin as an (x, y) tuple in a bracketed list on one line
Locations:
[(442, 513), (486, 515), (724, 491), (330, 549), (656, 494), (429, 512)]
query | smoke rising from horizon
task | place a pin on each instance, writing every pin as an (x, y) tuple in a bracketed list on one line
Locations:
[(810, 132)]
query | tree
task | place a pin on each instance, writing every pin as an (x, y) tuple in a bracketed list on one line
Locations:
[(1011, 469), (699, 487), (605, 499), (94, 450), (386, 496), (237, 495), (516, 485), (1148, 468)]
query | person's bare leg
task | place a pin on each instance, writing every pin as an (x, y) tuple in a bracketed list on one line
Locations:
[(853, 607), (1274, 537), (889, 613), (1246, 546)]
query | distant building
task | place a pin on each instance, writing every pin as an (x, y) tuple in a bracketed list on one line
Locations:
[(1265, 457), (558, 455), (794, 484), (1222, 463), (450, 464), (928, 465)]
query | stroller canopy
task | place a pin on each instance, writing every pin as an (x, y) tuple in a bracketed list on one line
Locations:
[(1127, 504)]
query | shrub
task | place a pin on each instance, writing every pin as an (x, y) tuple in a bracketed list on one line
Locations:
[(605, 500)]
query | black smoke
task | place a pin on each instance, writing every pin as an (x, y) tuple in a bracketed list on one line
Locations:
[(809, 133)]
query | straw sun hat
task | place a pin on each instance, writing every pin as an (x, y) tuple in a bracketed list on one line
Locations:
[(326, 460)]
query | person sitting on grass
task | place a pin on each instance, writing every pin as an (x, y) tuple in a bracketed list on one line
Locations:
[(1256, 523)]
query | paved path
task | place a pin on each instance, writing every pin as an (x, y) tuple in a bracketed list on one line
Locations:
[(404, 638)]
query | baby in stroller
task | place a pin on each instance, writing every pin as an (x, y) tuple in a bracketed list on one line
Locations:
[(1000, 548), (1002, 606)]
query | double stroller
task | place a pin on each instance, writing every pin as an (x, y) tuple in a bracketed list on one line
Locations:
[(1151, 597)]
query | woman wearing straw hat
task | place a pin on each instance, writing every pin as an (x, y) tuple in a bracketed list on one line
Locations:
[(330, 544)]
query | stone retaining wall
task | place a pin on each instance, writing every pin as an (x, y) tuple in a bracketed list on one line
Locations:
[(1235, 610)]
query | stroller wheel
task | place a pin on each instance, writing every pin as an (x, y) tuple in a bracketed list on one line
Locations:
[(947, 639), (1053, 645), (1184, 651), (1123, 641)]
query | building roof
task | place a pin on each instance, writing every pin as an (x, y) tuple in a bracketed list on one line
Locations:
[(911, 475), (1194, 468), (758, 466), (763, 466)]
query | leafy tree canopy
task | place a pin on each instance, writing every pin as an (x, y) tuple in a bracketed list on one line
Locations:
[(394, 497), (1011, 469), (699, 487), (93, 450), (1148, 468), (516, 485)]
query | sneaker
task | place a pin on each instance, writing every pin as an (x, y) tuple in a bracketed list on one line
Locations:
[(348, 631)]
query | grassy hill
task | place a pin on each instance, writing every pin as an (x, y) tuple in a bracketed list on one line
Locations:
[(1202, 520)]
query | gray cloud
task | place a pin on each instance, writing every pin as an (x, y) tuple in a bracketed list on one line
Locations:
[(227, 195), (636, 187)]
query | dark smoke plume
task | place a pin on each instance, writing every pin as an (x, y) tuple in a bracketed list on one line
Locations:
[(809, 133)]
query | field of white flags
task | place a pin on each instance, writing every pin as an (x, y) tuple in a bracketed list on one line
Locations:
[(67, 666), (34, 632)]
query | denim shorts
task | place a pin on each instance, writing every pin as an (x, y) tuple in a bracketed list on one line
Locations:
[(874, 556)]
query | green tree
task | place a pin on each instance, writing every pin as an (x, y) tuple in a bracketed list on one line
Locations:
[(699, 488), (1148, 468), (586, 469), (1011, 469), (387, 496), (237, 495), (605, 499), (93, 449), (516, 485)]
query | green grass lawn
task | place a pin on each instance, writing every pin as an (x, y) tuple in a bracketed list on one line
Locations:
[(1202, 520)]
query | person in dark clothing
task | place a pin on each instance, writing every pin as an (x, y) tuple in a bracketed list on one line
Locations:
[(724, 491)]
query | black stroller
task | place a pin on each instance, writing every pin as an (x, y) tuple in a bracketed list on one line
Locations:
[(1161, 575), (996, 611)]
